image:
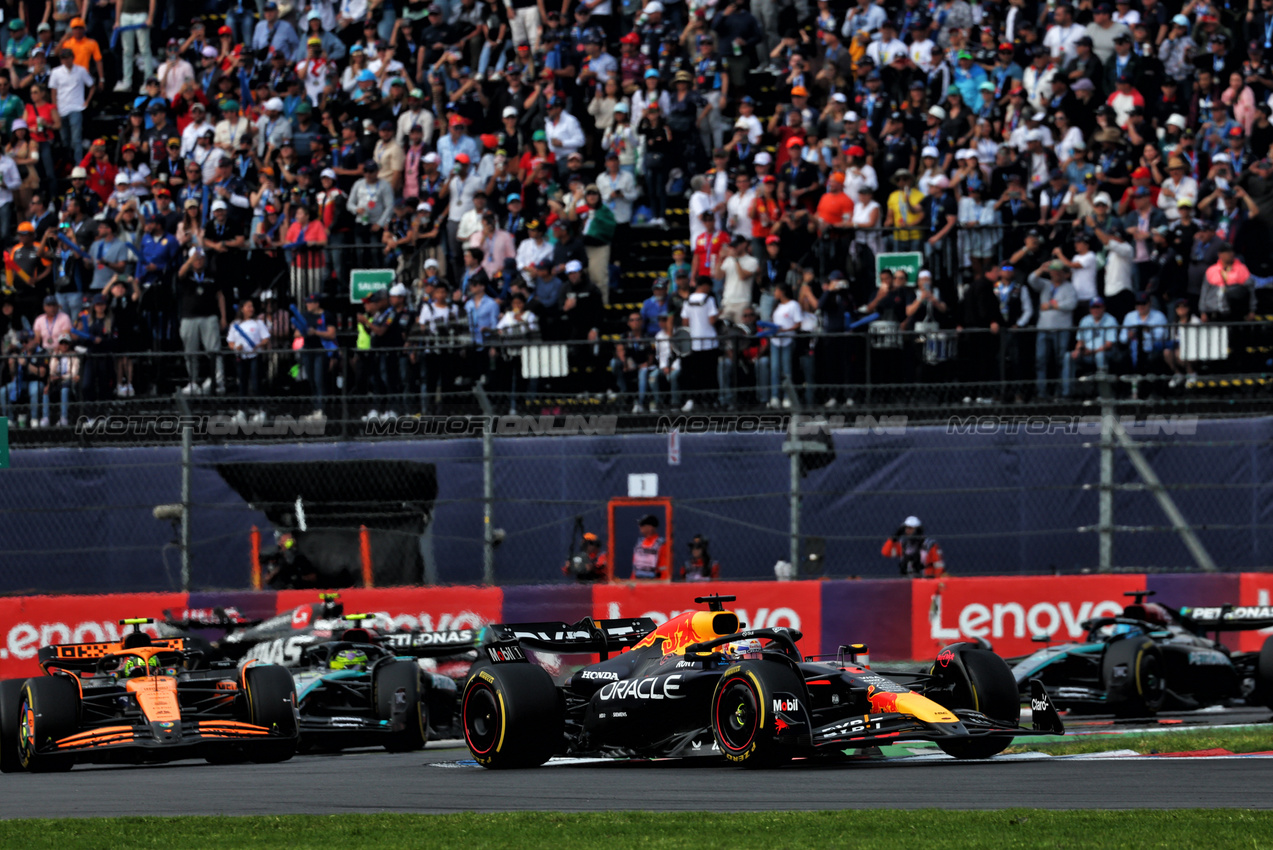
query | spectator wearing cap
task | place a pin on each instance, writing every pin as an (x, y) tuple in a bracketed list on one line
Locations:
[(1175, 52), (1122, 64), (107, 256), (1219, 59), (1120, 270), (415, 114), (232, 127), (389, 156), (1096, 342), (174, 73), (73, 87), (272, 129), (1051, 282), (1103, 31), (565, 135), (371, 204), (1140, 222), (274, 34), (456, 141), (202, 307), (157, 254), (1145, 334), (86, 52), (618, 192), (1084, 64), (1228, 294)]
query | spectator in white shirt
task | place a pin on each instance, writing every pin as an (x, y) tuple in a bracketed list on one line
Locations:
[(565, 135), (73, 87)]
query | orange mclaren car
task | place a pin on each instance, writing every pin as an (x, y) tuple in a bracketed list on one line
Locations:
[(144, 700)]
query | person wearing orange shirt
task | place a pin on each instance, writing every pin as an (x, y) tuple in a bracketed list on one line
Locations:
[(835, 222), (651, 557), (86, 50)]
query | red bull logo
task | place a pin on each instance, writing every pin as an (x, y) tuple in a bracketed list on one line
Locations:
[(686, 629), (881, 701)]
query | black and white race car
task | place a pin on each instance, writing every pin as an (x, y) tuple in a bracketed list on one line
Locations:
[(1152, 658)]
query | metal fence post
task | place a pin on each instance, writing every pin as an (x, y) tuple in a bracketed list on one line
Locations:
[(488, 486), (1106, 499), (794, 555), (186, 451)]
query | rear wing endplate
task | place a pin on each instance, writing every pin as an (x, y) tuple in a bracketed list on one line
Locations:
[(1229, 618)]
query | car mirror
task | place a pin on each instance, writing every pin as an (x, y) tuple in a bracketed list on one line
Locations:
[(1041, 638)]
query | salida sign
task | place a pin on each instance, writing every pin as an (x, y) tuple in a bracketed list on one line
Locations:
[(1009, 611)]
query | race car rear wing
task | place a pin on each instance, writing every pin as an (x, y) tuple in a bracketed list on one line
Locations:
[(1228, 618), (84, 656), (586, 636), (431, 644)]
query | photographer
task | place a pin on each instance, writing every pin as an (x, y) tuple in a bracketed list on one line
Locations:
[(917, 556), (590, 565)]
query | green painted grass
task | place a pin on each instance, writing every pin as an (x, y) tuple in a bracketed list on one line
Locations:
[(928, 829), (1240, 739)]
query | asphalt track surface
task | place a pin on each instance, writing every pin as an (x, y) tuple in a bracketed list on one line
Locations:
[(442, 779)]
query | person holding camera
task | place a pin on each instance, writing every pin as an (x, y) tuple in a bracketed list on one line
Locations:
[(591, 565), (917, 556)]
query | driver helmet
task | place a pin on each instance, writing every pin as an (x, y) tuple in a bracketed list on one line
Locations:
[(1120, 629), (134, 666), (738, 649), (1155, 613), (347, 659)]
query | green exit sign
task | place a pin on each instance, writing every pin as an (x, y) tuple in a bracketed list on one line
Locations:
[(363, 282)]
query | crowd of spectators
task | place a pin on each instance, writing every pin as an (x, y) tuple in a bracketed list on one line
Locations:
[(1095, 174)]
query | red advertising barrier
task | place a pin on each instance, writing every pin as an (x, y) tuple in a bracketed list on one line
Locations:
[(795, 604), (1254, 589), (428, 608), (30, 622), (1007, 611)]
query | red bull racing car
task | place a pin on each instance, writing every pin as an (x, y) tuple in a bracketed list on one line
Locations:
[(703, 685), (144, 700)]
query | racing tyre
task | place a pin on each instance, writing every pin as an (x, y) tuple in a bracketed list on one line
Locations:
[(10, 703), (390, 678), (48, 710), (1263, 676), (1132, 671), (271, 697), (512, 716), (982, 681), (743, 719)]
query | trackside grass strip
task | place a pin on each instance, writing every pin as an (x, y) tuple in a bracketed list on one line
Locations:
[(1247, 739), (931, 829)]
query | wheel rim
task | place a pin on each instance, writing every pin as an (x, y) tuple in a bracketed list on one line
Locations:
[(1152, 682), (26, 732), (481, 719), (737, 715)]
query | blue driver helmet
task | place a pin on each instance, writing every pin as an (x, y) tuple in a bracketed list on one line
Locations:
[(348, 659)]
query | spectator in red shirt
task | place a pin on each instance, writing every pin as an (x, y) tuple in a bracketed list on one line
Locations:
[(707, 246), (101, 171)]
